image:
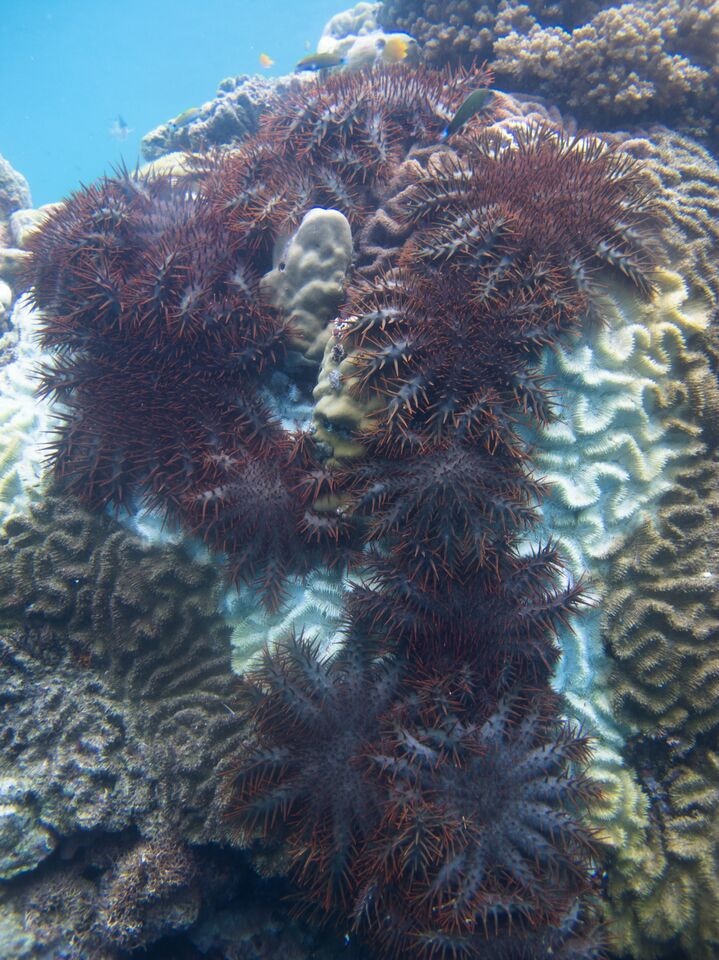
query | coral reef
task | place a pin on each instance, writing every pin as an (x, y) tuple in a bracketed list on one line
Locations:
[(488, 268), (661, 613), (14, 195), (686, 179), (232, 116), (435, 712), (172, 314), (636, 404), (626, 425), (650, 61), (119, 650), (120, 896)]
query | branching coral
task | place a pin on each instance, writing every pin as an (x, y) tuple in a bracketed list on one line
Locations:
[(649, 61)]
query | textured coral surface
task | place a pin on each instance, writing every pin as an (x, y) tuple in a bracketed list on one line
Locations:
[(116, 679), (452, 819)]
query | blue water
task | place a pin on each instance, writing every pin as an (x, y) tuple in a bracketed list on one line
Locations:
[(69, 68)]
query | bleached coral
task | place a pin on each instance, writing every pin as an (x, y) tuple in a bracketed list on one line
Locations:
[(627, 402), (24, 419), (313, 606)]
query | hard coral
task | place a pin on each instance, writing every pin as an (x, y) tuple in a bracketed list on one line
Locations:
[(649, 61), (443, 679), (686, 188), (118, 647)]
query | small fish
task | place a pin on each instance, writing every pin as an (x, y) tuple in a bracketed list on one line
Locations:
[(319, 61), (266, 61), (470, 107), (395, 49), (119, 128), (182, 119)]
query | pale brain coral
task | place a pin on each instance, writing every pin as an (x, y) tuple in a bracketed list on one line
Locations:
[(24, 418), (625, 427), (629, 394), (314, 605)]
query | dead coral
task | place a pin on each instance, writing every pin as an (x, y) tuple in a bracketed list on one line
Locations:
[(109, 895), (230, 117)]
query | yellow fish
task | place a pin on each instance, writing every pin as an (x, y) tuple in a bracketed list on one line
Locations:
[(395, 49), (266, 61)]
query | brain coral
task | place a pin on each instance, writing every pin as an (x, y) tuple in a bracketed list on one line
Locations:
[(665, 896), (119, 650), (686, 177), (661, 613), (24, 418), (633, 501)]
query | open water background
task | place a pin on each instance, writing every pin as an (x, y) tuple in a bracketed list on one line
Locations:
[(68, 68)]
